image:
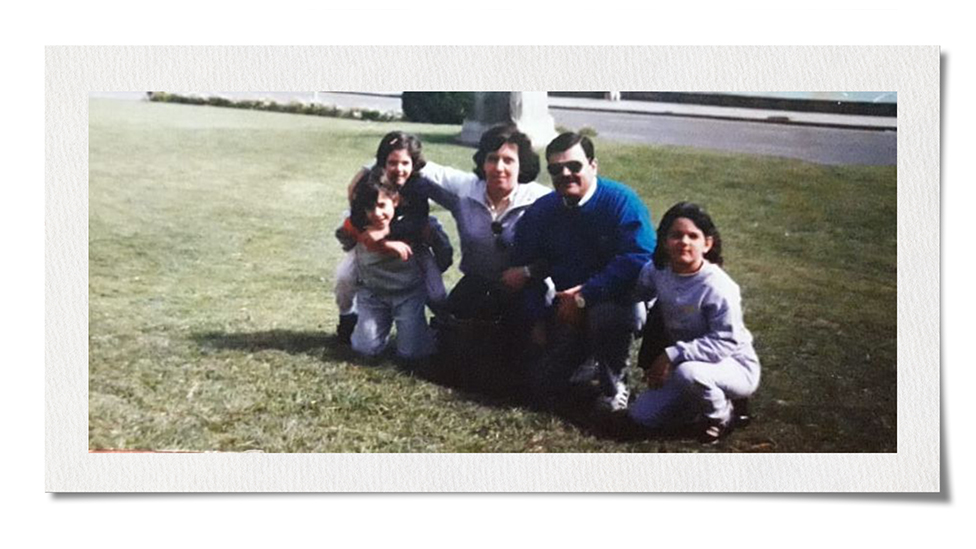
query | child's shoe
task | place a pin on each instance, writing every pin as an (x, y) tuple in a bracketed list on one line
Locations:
[(616, 402), (740, 412), (718, 427), (714, 431), (347, 323), (587, 373)]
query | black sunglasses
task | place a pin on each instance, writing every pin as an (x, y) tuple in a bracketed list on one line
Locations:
[(496, 229), (574, 166)]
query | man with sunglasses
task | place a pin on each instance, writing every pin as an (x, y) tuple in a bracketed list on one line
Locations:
[(594, 235)]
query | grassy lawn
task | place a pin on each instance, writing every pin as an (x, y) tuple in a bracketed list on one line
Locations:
[(211, 316)]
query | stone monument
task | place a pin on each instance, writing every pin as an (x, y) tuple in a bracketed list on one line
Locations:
[(528, 111)]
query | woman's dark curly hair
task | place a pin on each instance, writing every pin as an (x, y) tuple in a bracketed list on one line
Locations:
[(494, 138), (365, 194), (395, 141), (700, 218)]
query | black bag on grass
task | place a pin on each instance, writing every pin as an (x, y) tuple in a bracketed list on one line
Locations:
[(479, 346)]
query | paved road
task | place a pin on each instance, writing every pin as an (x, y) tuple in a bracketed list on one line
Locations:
[(821, 145), (832, 146)]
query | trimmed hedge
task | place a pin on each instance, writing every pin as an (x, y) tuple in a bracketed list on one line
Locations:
[(272, 106), (437, 107)]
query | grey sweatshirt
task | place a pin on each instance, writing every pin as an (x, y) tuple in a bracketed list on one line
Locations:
[(386, 274), (702, 313)]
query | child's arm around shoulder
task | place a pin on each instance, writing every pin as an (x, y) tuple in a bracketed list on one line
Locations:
[(450, 179), (445, 185), (373, 239), (348, 235)]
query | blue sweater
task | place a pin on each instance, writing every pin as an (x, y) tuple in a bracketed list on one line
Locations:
[(602, 244)]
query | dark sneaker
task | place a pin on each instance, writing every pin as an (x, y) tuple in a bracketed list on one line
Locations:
[(347, 323), (714, 431), (740, 412), (587, 373)]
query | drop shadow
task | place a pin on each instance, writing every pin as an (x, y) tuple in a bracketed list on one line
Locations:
[(945, 486)]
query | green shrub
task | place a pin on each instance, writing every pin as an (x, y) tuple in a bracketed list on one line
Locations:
[(294, 107), (587, 131), (437, 107)]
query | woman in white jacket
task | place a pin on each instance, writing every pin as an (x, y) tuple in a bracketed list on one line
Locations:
[(487, 204)]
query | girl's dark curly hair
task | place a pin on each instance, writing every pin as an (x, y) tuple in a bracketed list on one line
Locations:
[(700, 218), (494, 138), (365, 194), (395, 141)]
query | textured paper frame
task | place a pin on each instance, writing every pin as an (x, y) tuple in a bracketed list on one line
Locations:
[(73, 72)]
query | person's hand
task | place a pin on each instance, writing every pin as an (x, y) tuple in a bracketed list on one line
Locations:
[(401, 249), (567, 311), (659, 371), (515, 278)]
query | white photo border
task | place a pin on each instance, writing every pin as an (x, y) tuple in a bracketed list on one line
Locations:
[(73, 72)]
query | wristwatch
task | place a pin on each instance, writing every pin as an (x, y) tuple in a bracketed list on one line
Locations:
[(580, 301)]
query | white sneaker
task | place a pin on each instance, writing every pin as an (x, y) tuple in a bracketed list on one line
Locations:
[(615, 402)]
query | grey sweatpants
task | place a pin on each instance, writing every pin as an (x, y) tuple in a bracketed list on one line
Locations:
[(694, 388)]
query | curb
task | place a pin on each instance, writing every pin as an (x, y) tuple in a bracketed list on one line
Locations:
[(784, 120)]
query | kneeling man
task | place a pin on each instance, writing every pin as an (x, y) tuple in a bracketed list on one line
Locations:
[(593, 235)]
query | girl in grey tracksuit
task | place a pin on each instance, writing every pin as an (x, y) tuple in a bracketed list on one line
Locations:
[(711, 359)]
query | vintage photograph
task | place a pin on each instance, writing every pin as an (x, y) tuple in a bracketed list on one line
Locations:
[(492, 272)]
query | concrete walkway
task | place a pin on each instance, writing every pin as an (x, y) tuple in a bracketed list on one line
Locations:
[(825, 120)]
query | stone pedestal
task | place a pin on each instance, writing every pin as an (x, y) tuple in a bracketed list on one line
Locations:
[(528, 111)]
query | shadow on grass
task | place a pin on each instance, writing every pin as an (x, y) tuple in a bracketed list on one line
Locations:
[(506, 388), (497, 391), (316, 344)]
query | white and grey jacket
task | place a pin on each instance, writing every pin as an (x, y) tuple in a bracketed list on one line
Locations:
[(483, 253)]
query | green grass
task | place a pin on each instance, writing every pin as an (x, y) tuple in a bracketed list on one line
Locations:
[(211, 315)]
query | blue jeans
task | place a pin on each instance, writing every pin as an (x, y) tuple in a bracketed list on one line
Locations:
[(378, 313)]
